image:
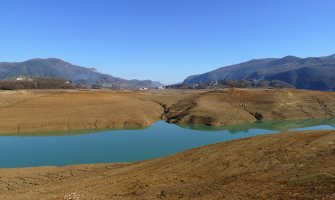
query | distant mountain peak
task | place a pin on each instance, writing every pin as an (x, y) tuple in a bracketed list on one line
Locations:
[(57, 68), (289, 57), (287, 60), (45, 59)]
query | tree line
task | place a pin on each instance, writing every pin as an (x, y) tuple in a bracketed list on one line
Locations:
[(234, 84), (36, 83)]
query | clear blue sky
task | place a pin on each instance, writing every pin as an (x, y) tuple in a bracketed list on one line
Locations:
[(164, 40)]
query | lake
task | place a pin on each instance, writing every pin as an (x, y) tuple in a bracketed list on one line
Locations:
[(160, 139)]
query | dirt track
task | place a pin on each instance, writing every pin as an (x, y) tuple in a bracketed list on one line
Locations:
[(292, 165), (41, 111)]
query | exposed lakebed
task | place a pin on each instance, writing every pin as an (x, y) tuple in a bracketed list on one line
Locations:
[(160, 139)]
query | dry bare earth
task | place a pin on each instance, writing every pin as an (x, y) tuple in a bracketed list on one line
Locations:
[(292, 165), (243, 105), (40, 111)]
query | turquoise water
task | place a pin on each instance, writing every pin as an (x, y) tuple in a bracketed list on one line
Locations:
[(161, 139)]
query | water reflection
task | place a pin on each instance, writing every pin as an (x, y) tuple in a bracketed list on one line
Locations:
[(160, 139), (275, 125)]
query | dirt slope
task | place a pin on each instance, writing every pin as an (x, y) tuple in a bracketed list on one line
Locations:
[(62, 110), (41, 111), (292, 165), (244, 105)]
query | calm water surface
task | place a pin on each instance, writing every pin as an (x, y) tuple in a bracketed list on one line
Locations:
[(161, 139)]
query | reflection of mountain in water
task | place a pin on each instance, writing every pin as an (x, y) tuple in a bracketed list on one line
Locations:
[(74, 132), (276, 125)]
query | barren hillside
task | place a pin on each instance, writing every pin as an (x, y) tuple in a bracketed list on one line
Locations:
[(54, 110), (292, 165)]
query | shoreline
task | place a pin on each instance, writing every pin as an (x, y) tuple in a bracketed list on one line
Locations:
[(59, 110), (296, 123), (160, 157), (289, 159)]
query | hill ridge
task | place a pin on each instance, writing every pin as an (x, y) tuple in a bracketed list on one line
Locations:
[(317, 73), (58, 68)]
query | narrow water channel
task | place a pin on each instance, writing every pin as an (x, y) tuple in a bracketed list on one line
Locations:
[(160, 139)]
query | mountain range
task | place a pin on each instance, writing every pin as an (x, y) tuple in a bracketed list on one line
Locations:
[(59, 69), (315, 73)]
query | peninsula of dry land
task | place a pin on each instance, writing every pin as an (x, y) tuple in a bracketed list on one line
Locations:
[(29, 111)]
